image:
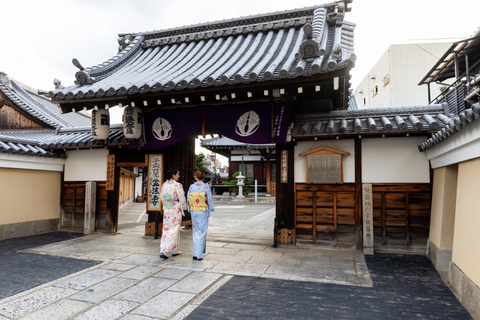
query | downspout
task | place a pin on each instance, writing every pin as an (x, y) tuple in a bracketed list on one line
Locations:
[(390, 77)]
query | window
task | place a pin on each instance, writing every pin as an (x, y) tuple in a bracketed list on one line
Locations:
[(386, 80)]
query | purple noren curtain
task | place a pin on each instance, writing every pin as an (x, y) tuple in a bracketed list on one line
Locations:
[(166, 127)]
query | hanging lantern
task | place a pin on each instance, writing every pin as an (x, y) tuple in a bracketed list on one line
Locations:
[(100, 124), (132, 122)]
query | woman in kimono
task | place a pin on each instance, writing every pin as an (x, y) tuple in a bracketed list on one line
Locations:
[(200, 204), (174, 202)]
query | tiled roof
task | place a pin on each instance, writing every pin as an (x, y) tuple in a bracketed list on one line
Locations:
[(224, 142), (81, 137), (12, 145), (290, 44), (43, 110), (453, 126), (393, 120)]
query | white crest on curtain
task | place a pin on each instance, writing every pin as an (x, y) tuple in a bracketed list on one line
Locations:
[(162, 129), (247, 124)]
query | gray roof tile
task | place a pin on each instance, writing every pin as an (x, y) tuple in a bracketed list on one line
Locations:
[(43, 110), (269, 47), (372, 121), (452, 126)]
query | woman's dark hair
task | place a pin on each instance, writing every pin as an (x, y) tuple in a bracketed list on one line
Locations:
[(198, 173), (171, 172)]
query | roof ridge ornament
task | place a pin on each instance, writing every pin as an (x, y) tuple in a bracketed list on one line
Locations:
[(82, 76), (309, 48), (5, 80)]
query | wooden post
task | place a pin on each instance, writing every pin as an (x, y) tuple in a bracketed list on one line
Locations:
[(111, 224), (358, 193)]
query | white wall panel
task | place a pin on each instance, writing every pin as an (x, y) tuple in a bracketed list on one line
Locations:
[(86, 165), (394, 160)]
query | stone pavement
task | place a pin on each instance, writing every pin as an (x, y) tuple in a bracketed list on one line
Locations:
[(241, 277)]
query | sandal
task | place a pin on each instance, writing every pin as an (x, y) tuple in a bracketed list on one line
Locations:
[(176, 254), (163, 255)]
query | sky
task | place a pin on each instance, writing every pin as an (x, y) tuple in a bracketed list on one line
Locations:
[(39, 39)]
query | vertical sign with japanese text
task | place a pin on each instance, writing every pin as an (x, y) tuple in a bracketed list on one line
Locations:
[(155, 166), (110, 172), (284, 167), (368, 244)]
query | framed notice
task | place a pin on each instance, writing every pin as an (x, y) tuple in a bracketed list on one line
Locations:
[(324, 165), (110, 172), (155, 178)]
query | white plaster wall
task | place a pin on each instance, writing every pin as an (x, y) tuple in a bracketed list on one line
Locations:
[(86, 165), (405, 65), (300, 163), (394, 160)]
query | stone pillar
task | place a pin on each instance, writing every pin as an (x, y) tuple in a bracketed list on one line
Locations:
[(368, 243), (90, 207), (442, 220)]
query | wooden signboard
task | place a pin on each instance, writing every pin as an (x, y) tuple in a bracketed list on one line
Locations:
[(155, 178), (110, 172), (324, 165)]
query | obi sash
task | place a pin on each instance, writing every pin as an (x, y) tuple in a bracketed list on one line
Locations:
[(197, 201)]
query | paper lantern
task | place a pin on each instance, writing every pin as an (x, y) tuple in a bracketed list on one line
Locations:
[(132, 122), (100, 124)]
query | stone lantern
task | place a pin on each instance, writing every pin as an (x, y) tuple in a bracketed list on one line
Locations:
[(240, 184)]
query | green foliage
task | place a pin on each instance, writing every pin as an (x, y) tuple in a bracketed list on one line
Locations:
[(234, 181), (443, 90), (200, 162)]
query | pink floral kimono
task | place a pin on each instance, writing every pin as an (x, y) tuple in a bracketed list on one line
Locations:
[(173, 200)]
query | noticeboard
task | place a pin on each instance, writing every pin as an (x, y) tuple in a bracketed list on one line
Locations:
[(324, 165)]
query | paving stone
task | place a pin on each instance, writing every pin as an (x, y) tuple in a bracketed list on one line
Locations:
[(227, 257), (173, 273), (104, 290), (87, 279), (145, 290), (29, 303), (119, 266), (222, 250), (64, 309), (110, 309), (145, 259), (137, 317), (164, 305), (233, 267), (244, 246), (140, 272), (195, 282), (106, 255)]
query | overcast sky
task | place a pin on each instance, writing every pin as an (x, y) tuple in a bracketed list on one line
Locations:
[(39, 39)]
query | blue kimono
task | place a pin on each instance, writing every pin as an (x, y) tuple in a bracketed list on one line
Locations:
[(200, 218)]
